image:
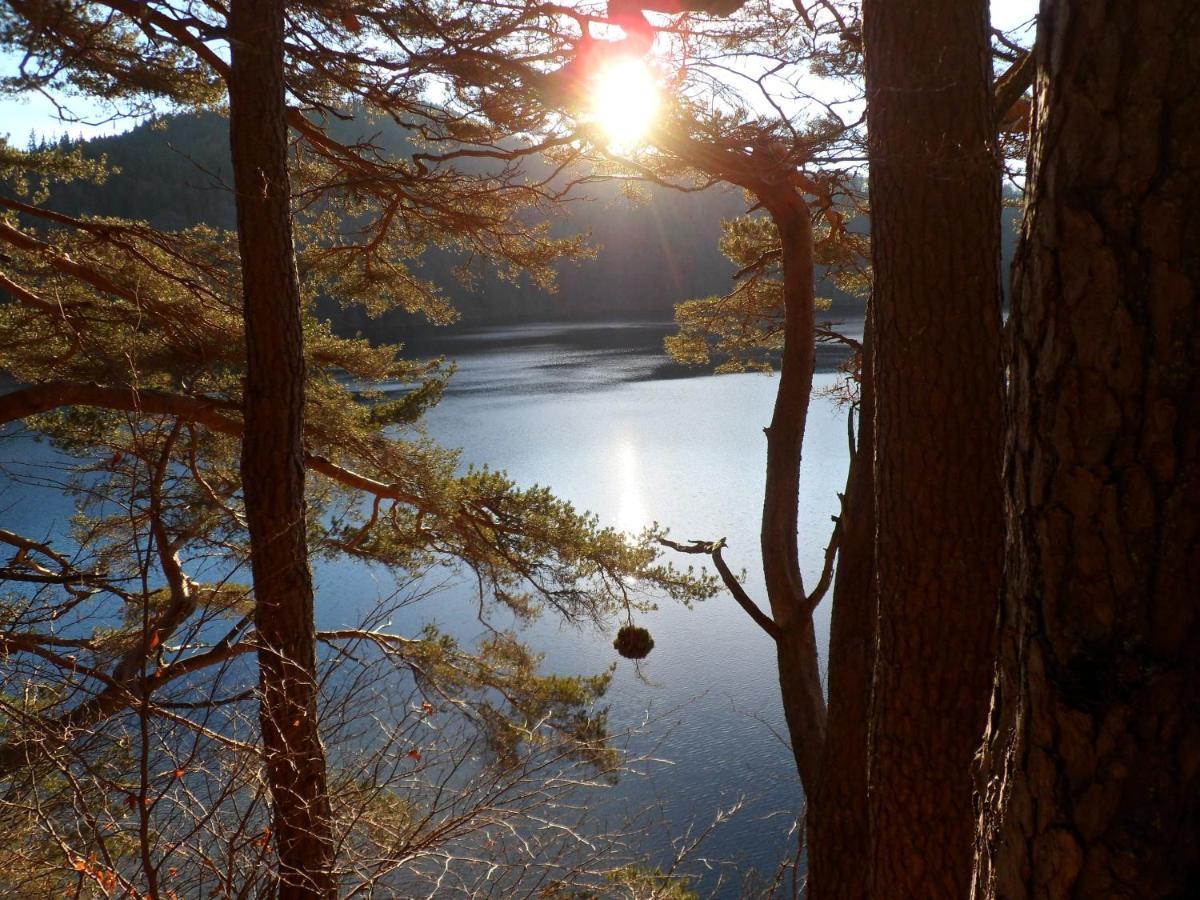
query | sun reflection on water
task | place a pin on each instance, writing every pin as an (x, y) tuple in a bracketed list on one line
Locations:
[(631, 510)]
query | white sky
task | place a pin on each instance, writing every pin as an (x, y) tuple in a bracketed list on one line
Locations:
[(21, 117)]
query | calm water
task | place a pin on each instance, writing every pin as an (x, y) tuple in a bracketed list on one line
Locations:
[(597, 413), (601, 416)]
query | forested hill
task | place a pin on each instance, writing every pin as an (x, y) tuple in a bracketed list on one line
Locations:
[(651, 254)]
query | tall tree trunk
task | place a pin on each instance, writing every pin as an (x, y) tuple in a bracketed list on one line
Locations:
[(273, 454), (934, 183), (796, 646), (1091, 763), (837, 804)]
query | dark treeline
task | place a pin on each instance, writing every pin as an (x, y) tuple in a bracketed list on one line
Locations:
[(174, 172), (651, 253)]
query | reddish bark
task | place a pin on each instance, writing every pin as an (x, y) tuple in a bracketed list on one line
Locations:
[(1091, 765), (273, 453), (796, 646), (935, 214)]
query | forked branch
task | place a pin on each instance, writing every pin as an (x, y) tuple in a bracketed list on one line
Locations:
[(713, 549)]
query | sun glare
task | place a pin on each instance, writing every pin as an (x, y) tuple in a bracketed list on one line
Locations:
[(625, 101)]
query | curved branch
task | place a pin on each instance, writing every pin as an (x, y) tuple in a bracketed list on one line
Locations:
[(713, 549), (23, 567), (144, 13)]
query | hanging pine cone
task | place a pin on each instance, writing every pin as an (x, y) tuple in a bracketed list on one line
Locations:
[(633, 642)]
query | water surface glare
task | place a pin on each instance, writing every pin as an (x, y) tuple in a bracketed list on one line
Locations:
[(600, 415)]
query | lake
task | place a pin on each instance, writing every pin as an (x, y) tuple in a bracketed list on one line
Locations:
[(600, 415)]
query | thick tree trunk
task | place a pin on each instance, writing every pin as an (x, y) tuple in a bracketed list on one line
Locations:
[(273, 453), (837, 804), (796, 647), (1091, 764), (935, 214)]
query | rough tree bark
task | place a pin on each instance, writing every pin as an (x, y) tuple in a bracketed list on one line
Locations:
[(935, 195), (273, 453), (1090, 769), (836, 820)]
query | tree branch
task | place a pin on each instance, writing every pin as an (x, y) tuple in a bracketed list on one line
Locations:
[(713, 549), (826, 579), (206, 411), (1013, 84), (49, 735)]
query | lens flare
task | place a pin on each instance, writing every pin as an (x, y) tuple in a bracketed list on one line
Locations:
[(625, 101)]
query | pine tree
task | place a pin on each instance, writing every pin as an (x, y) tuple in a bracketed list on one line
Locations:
[(130, 348)]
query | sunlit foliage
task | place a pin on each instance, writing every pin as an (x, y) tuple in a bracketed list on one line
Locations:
[(129, 699)]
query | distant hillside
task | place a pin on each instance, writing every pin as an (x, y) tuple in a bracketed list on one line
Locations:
[(172, 173), (652, 254), (175, 172)]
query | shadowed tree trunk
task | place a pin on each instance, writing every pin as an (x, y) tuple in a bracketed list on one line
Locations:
[(935, 215), (836, 820), (273, 453), (1091, 764), (837, 813), (796, 644)]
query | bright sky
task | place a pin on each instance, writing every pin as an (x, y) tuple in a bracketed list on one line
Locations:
[(20, 117)]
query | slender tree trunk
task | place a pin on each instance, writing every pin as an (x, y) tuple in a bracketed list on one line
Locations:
[(837, 804), (796, 648), (1091, 764), (934, 182), (273, 453)]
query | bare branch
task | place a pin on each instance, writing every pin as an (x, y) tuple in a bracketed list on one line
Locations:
[(713, 549), (826, 579)]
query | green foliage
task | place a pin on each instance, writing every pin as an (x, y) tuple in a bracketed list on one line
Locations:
[(646, 882), (633, 642), (31, 172), (149, 590), (84, 49), (743, 330)]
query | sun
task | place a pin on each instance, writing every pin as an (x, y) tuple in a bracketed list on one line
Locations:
[(625, 101)]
